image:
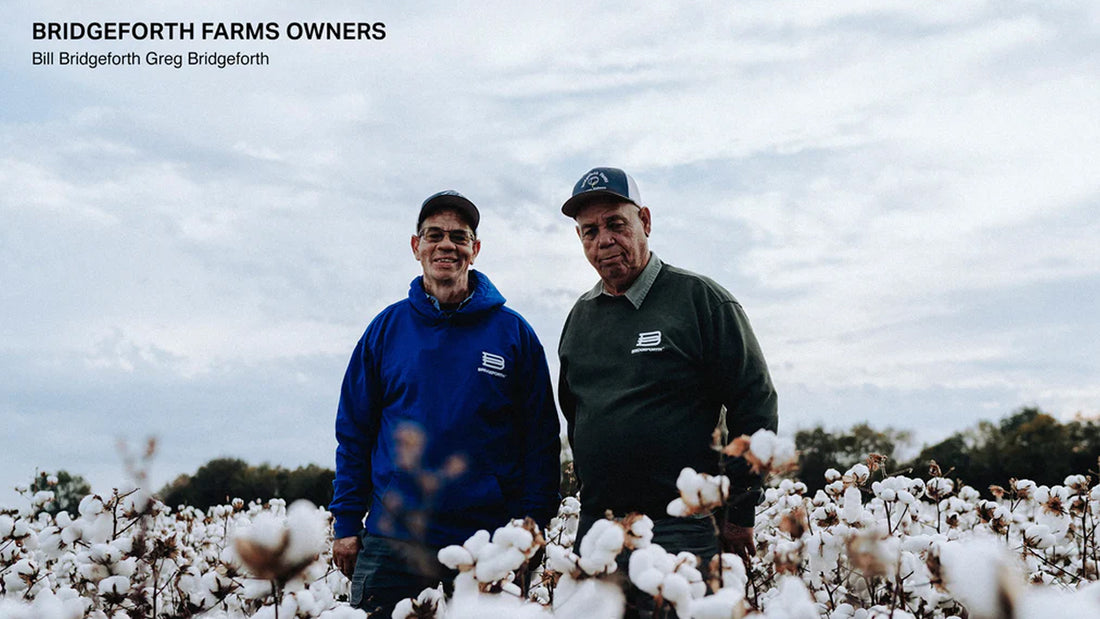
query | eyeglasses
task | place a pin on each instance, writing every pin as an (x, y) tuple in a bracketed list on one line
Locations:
[(435, 235)]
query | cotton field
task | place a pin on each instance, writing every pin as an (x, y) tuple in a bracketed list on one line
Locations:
[(869, 545)]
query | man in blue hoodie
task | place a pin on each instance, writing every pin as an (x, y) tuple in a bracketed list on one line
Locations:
[(446, 422)]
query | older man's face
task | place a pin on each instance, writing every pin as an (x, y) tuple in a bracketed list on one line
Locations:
[(614, 236), (444, 260)]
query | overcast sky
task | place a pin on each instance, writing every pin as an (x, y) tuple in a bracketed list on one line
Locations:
[(902, 195)]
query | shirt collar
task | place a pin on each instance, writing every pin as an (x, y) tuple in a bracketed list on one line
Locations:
[(637, 292), (439, 306)]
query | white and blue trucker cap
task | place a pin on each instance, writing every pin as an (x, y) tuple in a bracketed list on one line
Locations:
[(598, 182)]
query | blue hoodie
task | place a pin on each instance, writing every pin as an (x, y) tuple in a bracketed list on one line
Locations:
[(446, 422)]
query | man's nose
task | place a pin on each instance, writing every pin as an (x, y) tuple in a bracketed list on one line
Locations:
[(606, 237)]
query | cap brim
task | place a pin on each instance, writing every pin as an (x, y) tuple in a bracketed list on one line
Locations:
[(579, 201)]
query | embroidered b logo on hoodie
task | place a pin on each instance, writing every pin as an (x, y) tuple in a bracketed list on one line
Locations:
[(492, 364)]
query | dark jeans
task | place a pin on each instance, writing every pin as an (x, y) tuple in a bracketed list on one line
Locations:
[(390, 570), (695, 535)]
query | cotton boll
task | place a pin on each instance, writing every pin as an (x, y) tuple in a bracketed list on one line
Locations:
[(41, 498), (70, 534), (104, 554), (853, 505), (308, 529), (266, 531), (641, 531), (492, 607), (643, 559), (686, 480), (476, 542), (695, 582), (513, 536), (560, 559), (403, 610), (916, 543), (599, 562), (47, 605), (456, 557), (592, 598), (648, 580), (93, 572), (605, 535), (762, 444), (714, 491), (677, 590), (723, 604), (126, 567), (305, 602), (732, 572), (114, 585), (677, 508), (980, 574), (7, 527), (1039, 536), (90, 506), (256, 589), (494, 562), (792, 601), (858, 473)]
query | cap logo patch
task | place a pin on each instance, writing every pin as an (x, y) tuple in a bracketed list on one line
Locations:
[(594, 180)]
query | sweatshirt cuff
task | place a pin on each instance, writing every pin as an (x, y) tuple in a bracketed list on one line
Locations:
[(346, 526)]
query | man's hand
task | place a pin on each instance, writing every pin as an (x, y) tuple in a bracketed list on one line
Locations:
[(344, 552), (738, 540)]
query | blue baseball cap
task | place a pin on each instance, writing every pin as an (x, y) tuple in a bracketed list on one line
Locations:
[(449, 198), (599, 182)]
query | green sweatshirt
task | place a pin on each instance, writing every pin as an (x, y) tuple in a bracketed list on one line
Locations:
[(644, 377)]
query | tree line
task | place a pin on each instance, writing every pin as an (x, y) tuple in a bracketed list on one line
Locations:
[(1028, 444)]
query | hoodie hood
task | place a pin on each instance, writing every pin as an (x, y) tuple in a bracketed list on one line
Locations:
[(484, 298)]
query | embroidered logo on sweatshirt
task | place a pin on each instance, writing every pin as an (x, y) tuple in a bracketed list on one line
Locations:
[(648, 341), (492, 364)]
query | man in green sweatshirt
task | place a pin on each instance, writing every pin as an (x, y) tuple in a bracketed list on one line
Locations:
[(651, 357)]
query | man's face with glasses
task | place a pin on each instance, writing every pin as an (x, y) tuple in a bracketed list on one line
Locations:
[(446, 247)]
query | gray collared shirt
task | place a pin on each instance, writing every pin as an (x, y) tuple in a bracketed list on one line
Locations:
[(638, 290)]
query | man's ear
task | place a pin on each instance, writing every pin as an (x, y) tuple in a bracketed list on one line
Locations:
[(415, 243), (646, 221), (477, 250)]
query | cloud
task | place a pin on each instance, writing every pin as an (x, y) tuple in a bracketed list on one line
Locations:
[(902, 197)]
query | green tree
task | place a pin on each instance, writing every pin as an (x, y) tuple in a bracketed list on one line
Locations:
[(820, 450), (1028, 444), (68, 491), (221, 480)]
